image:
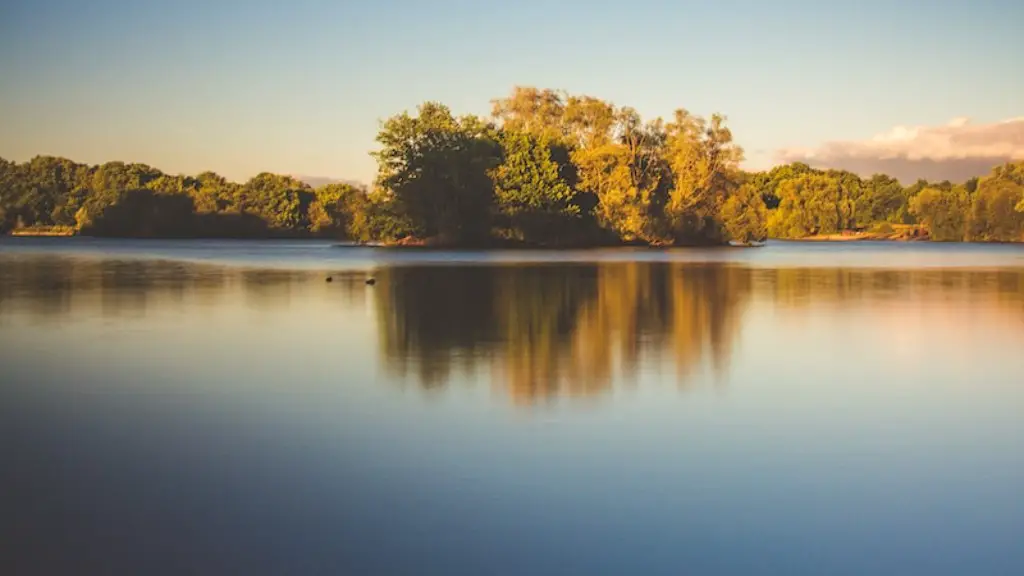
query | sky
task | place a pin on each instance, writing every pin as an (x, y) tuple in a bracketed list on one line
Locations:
[(918, 88)]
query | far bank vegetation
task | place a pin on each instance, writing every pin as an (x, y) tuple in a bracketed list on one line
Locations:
[(546, 168)]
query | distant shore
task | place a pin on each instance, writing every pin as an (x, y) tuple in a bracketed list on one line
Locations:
[(44, 231), (902, 234)]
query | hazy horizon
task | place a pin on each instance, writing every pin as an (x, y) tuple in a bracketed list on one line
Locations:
[(243, 88)]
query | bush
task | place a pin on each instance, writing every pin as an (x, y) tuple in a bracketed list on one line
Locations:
[(883, 228)]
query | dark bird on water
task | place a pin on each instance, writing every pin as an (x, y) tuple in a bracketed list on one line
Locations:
[(371, 281), (329, 279)]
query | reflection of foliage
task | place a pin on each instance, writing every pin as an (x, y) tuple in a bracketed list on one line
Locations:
[(433, 315), (50, 286), (553, 330)]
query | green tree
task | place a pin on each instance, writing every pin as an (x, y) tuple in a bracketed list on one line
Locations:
[(944, 212), (883, 200), (768, 182), (436, 169), (745, 216), (994, 216), (534, 202), (809, 204), (143, 213), (704, 162), (997, 203), (281, 201), (333, 211), (534, 111)]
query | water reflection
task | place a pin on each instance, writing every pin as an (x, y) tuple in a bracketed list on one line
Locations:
[(537, 332), (53, 287), (162, 417), (555, 331), (550, 331)]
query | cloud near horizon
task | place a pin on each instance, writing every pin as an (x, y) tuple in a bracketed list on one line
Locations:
[(956, 151)]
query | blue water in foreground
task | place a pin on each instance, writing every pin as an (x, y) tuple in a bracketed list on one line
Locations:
[(217, 407)]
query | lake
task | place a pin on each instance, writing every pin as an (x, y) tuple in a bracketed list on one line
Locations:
[(196, 407)]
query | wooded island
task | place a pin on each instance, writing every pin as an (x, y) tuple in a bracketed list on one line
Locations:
[(546, 169)]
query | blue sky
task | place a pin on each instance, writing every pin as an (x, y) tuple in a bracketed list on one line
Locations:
[(299, 87)]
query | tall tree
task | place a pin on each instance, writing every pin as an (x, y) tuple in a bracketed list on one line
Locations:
[(534, 201), (704, 162), (437, 168), (534, 111), (942, 211), (334, 209), (807, 206), (745, 216)]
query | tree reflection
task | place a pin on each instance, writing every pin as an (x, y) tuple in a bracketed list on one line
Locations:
[(801, 287), (51, 287), (549, 331)]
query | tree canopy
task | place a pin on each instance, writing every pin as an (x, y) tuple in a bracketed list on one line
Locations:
[(546, 168)]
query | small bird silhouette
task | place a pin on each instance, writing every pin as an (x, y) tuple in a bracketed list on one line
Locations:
[(371, 281), (329, 279)]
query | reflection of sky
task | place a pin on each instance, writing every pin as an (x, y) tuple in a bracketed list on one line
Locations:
[(326, 255), (846, 436)]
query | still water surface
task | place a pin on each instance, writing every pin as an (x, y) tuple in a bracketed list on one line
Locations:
[(218, 408)]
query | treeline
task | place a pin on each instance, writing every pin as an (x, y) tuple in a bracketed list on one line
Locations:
[(136, 200), (804, 202), (547, 168)]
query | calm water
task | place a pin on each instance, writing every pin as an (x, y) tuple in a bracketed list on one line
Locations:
[(218, 408)]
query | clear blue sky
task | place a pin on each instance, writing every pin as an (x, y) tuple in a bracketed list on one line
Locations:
[(299, 86)]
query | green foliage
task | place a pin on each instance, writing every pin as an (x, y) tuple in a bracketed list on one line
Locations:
[(141, 213), (341, 211), (942, 211), (883, 228), (376, 217), (704, 163), (746, 216), (996, 209), (437, 169), (281, 201), (551, 169), (534, 201), (118, 199), (883, 199), (768, 182), (809, 204)]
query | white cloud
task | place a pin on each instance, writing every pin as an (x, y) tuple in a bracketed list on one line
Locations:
[(955, 151)]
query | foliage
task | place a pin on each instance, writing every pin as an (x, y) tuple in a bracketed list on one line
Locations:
[(809, 204), (534, 201), (334, 209), (883, 199), (437, 170), (995, 214), (745, 216), (119, 199), (548, 168), (942, 211), (704, 163)]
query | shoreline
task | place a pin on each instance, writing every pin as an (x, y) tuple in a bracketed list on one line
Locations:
[(502, 247)]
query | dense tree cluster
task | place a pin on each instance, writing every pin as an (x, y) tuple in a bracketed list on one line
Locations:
[(547, 168), (135, 200), (554, 168), (810, 202)]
